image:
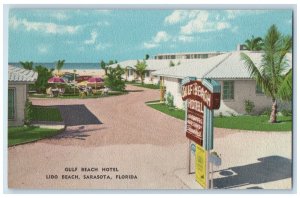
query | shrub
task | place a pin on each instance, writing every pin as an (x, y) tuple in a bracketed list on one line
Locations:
[(221, 115), (286, 112), (249, 106), (267, 111), (28, 113), (70, 89), (114, 79), (170, 100)]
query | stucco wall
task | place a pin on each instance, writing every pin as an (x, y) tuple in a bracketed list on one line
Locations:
[(174, 88), (148, 80), (243, 90), (20, 99)]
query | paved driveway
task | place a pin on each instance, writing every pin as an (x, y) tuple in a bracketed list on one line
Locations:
[(135, 146)]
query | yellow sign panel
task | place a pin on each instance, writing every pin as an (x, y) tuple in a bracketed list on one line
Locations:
[(200, 166)]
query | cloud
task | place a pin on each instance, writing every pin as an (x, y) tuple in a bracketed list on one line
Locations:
[(50, 28), (93, 38), (150, 45), (185, 39), (42, 49), (60, 15), (102, 46), (198, 21), (175, 17), (160, 37), (180, 15), (232, 14), (205, 21)]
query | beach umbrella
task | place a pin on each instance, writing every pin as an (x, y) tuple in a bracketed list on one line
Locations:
[(56, 80), (95, 80)]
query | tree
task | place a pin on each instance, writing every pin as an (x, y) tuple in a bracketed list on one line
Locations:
[(147, 56), (59, 65), (74, 79), (140, 68), (27, 65), (254, 44), (114, 79), (44, 74), (271, 76), (171, 64), (111, 62), (103, 66)]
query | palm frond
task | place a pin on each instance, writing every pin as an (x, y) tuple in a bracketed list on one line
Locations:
[(256, 74), (285, 91)]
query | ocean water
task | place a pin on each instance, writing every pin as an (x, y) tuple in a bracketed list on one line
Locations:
[(66, 65)]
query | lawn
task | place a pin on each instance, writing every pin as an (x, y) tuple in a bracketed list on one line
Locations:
[(244, 122), (20, 135), (177, 113), (44, 113), (148, 86), (77, 96), (254, 123)]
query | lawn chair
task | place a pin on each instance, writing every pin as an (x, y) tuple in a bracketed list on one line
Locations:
[(61, 92), (49, 92)]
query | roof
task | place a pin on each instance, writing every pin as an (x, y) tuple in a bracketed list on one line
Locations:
[(225, 66), (187, 53), (152, 64), (18, 74)]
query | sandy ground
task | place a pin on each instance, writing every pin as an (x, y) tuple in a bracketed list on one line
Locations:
[(85, 72), (143, 148)]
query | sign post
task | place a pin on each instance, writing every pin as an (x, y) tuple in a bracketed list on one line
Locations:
[(201, 97)]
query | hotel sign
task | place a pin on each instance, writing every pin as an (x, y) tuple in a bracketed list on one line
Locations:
[(196, 91), (200, 99)]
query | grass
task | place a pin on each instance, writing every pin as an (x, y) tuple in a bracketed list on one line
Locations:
[(176, 113), (148, 86), (244, 122), (44, 113), (254, 123), (21, 135), (77, 96)]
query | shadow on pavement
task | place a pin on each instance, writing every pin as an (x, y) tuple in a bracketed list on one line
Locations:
[(80, 133), (74, 115), (136, 90), (268, 169)]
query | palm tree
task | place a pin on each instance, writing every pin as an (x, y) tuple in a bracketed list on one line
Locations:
[(74, 79), (59, 65), (103, 66), (140, 68), (254, 44), (271, 76), (171, 64), (27, 65)]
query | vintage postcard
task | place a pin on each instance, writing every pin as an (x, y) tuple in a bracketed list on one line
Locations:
[(150, 98)]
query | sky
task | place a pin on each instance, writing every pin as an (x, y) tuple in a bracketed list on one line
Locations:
[(90, 35)]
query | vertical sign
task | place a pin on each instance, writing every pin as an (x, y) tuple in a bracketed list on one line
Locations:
[(199, 100), (200, 166)]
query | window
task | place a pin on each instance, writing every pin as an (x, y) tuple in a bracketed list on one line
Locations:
[(228, 90), (11, 103), (258, 90), (130, 72), (147, 73), (179, 86)]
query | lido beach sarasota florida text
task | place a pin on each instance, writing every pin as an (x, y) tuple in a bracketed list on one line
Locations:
[(91, 173)]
